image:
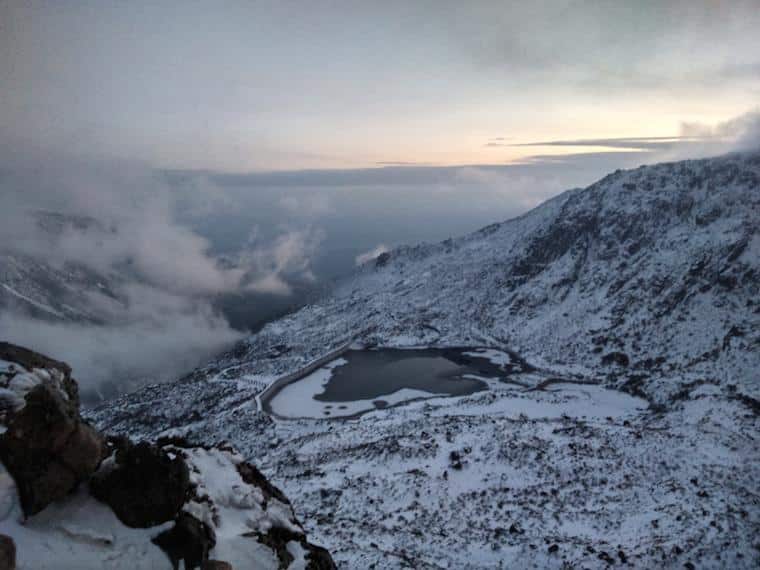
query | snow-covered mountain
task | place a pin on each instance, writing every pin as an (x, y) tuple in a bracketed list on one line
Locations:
[(646, 281), (62, 292)]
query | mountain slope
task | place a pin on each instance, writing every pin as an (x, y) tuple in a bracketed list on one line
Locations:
[(645, 281), (660, 264)]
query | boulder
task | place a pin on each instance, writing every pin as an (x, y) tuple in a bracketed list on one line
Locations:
[(189, 541), (30, 360), (251, 475), (7, 553), (45, 445), (198, 490), (617, 358), (145, 485)]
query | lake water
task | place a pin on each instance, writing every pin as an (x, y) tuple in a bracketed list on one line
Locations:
[(365, 380)]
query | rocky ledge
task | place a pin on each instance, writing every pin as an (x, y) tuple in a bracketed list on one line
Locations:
[(71, 497)]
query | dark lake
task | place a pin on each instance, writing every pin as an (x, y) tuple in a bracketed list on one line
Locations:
[(363, 380), (371, 373)]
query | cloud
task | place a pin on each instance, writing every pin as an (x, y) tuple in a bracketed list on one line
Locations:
[(523, 190), (373, 253), (134, 223), (606, 46), (306, 206), (629, 143), (741, 133), (272, 266), (747, 70), (749, 133), (134, 227), (402, 163), (86, 221), (116, 358)]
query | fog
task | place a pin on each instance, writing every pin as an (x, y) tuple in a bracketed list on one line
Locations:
[(196, 260), (115, 225)]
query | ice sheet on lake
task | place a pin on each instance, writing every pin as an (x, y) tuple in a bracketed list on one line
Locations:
[(296, 400)]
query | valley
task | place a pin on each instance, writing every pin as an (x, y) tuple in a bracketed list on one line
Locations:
[(628, 314)]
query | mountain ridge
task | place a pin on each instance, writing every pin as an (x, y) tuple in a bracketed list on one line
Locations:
[(644, 282), (386, 304)]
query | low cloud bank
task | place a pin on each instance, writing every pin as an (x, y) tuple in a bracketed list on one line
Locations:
[(113, 359), (154, 237), (373, 253), (87, 221), (739, 134)]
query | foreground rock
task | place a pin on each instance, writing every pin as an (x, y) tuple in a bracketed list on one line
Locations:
[(143, 484), (7, 553), (69, 498), (46, 446)]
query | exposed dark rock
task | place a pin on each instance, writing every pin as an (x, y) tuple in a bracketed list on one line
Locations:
[(144, 485), (7, 553), (30, 360), (278, 538), (515, 528), (455, 460), (83, 451), (633, 386), (216, 565), (318, 558), (189, 541), (752, 403), (733, 332), (46, 447), (251, 475), (382, 259), (49, 450), (619, 358)]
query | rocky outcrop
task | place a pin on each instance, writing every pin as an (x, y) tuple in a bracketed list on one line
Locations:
[(143, 484), (46, 446), (7, 553), (189, 541), (163, 502)]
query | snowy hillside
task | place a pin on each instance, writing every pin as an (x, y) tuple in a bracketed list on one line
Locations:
[(72, 498), (645, 276), (661, 264), (647, 282)]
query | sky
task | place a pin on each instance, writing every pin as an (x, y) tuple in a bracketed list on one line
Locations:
[(243, 155), (249, 86)]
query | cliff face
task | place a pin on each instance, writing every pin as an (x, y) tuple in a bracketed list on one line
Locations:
[(75, 498)]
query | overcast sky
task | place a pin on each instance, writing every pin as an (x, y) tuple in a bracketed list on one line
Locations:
[(246, 85), (299, 138)]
